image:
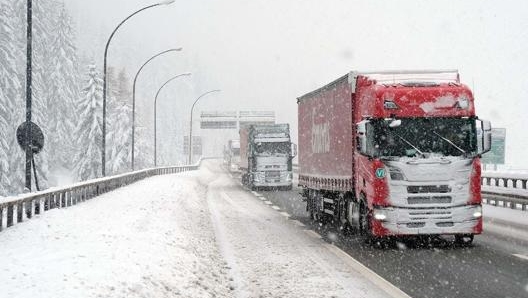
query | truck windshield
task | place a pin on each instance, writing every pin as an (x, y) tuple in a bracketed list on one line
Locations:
[(420, 136), (272, 148)]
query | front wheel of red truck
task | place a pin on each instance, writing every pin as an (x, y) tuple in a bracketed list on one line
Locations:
[(365, 228), (464, 240), (364, 221)]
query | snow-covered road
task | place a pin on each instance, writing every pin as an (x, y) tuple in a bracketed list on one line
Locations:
[(271, 256), (195, 234)]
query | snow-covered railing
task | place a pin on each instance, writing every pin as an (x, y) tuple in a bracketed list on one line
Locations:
[(22, 207), (505, 189), (507, 180)]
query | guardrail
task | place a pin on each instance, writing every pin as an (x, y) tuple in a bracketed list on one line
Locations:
[(514, 181), (505, 190), (499, 189), (22, 207)]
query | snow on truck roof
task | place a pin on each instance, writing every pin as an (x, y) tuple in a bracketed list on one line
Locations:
[(406, 78)]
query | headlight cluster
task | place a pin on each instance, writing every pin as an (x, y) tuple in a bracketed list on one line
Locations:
[(259, 177), (396, 174), (478, 212), (289, 177), (380, 214)]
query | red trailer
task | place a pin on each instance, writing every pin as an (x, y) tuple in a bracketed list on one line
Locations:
[(393, 153), (243, 162)]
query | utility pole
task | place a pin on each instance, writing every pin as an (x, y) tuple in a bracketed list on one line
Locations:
[(28, 149)]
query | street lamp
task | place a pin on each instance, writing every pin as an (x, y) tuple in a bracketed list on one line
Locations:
[(155, 113), (134, 98), (190, 129), (103, 149)]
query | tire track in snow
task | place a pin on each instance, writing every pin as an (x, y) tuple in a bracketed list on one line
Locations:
[(225, 247)]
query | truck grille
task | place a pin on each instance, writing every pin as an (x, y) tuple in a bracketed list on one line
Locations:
[(273, 174), (428, 189), (420, 215), (416, 225), (272, 166), (430, 200)]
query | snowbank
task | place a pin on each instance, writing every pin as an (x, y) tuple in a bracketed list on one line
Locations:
[(151, 239)]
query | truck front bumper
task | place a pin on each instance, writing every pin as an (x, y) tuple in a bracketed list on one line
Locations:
[(427, 221), (264, 178)]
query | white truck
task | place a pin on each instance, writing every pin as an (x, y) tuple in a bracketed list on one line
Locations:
[(266, 154)]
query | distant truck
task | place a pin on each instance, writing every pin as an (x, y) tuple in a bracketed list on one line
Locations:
[(266, 154), (232, 155), (393, 154)]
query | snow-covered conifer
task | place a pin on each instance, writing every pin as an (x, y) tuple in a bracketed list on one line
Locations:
[(63, 74), (89, 127)]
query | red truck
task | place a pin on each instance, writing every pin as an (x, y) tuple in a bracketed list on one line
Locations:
[(393, 153)]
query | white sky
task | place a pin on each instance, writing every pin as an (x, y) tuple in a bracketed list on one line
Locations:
[(265, 53)]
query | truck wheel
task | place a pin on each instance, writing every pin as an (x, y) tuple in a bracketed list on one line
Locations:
[(365, 229), (346, 229), (464, 240), (315, 213), (364, 226)]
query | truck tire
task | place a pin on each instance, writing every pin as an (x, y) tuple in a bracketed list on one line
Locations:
[(314, 200), (364, 226), (464, 240)]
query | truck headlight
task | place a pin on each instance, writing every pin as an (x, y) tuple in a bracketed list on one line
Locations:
[(289, 177), (396, 174), (478, 212), (380, 214)]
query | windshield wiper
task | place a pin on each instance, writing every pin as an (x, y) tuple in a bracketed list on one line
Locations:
[(450, 142), (410, 144)]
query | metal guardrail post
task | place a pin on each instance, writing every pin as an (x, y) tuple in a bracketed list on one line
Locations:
[(14, 219), (4, 218)]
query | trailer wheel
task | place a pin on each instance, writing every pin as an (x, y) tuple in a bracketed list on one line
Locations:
[(315, 208), (464, 240)]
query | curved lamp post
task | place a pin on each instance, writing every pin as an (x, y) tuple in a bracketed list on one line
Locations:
[(155, 113), (103, 149), (134, 97), (190, 128)]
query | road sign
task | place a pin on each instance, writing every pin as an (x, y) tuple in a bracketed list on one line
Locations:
[(37, 137), (496, 155)]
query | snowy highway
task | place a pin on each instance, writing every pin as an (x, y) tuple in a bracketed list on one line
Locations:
[(196, 234)]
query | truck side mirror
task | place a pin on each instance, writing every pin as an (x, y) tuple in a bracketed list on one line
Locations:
[(293, 150), (361, 137), (484, 136)]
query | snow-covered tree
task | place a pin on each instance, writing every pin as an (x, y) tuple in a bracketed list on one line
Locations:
[(120, 128), (89, 127), (124, 88), (10, 89), (62, 68), (144, 151), (45, 14)]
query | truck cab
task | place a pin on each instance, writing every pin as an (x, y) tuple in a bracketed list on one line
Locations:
[(269, 153), (418, 163)]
